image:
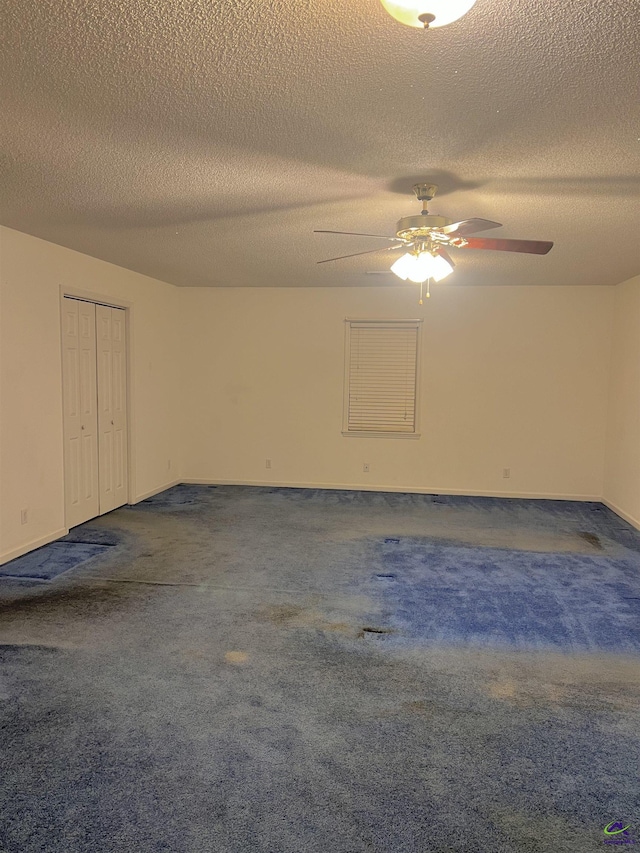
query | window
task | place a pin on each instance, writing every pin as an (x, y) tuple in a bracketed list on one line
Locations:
[(381, 378)]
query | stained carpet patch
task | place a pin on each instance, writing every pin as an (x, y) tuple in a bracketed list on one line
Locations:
[(51, 560), (500, 597)]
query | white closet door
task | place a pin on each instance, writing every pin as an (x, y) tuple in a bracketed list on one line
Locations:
[(119, 362), (80, 413), (112, 407)]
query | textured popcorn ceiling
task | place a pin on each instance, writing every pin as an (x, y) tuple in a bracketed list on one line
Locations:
[(202, 142)]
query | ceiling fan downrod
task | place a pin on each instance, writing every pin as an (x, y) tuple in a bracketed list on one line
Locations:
[(424, 193), (412, 228)]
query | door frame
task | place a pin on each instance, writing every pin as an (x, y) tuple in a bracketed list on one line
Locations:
[(112, 302)]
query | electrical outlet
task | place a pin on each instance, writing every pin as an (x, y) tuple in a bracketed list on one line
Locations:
[(506, 473), (267, 463), (24, 516), (365, 467)]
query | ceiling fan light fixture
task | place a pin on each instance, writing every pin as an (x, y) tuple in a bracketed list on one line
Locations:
[(403, 267), (440, 268), (426, 14), (422, 267), (418, 268)]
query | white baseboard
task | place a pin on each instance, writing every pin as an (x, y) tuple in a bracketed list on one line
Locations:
[(362, 487), (624, 515), (156, 491), (31, 546)]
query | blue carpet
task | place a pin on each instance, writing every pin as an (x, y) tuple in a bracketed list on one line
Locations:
[(51, 560), (506, 598), (218, 682)]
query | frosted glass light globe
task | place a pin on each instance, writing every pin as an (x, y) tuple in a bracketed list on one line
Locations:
[(404, 266), (419, 268), (440, 268), (444, 12)]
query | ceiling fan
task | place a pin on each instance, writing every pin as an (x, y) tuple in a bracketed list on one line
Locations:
[(426, 238)]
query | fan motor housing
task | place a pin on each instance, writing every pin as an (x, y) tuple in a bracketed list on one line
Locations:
[(411, 227)]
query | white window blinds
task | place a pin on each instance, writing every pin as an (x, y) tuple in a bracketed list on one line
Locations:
[(381, 377)]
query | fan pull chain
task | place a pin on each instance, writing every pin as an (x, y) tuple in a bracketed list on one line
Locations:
[(428, 293)]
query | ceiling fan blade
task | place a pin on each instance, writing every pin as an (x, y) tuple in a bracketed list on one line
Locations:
[(356, 234), (444, 254), (533, 247), (470, 226), (355, 254)]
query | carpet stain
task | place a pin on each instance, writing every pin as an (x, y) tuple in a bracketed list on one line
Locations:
[(293, 616), (507, 538), (502, 690), (432, 709), (370, 630), (279, 614), (528, 689), (539, 833), (527, 695), (36, 644), (591, 538), (236, 658), (419, 706)]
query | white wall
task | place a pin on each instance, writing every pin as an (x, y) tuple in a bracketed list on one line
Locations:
[(622, 465), (511, 378), (31, 449), (224, 379)]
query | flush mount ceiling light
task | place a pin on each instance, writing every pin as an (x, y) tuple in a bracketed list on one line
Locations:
[(427, 13)]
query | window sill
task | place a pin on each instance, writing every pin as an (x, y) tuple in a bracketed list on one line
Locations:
[(353, 434)]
